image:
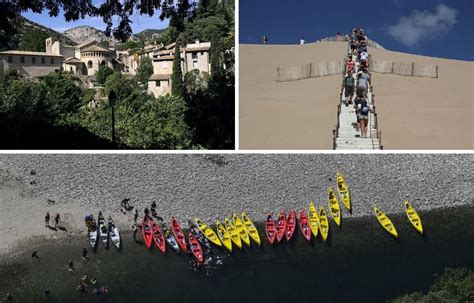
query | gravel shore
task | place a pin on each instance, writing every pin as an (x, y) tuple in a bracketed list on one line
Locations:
[(213, 186)]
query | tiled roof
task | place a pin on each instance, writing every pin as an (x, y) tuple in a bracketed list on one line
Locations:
[(72, 60), (94, 48), (18, 52), (159, 77)]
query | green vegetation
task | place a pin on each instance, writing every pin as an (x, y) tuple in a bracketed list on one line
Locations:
[(34, 41), (149, 33), (131, 45), (177, 88), (142, 121), (145, 70), (454, 285), (103, 73)]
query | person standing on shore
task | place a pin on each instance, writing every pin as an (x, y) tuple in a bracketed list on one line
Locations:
[(57, 219), (46, 220), (135, 215), (135, 228), (265, 39)]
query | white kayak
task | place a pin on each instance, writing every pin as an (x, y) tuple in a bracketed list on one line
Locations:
[(114, 233), (92, 230), (170, 238), (103, 233)]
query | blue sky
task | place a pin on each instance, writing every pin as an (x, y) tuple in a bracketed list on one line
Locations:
[(438, 28), (140, 22)]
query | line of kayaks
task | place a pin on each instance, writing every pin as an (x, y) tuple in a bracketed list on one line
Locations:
[(235, 232), (231, 233), (387, 224), (103, 230)]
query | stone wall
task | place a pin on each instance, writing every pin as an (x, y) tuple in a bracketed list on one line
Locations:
[(29, 69)]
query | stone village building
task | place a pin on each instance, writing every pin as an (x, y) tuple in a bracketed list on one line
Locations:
[(84, 61), (194, 56)]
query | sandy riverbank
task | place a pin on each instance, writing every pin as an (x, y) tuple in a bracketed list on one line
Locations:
[(212, 187)]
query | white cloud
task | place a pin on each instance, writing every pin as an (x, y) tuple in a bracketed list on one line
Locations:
[(423, 25)]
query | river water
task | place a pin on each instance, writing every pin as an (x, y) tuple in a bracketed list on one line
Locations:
[(360, 262)]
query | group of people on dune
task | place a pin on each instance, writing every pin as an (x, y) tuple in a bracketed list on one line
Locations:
[(357, 79)]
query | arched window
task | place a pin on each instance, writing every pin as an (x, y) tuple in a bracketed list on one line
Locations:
[(89, 64), (102, 63)]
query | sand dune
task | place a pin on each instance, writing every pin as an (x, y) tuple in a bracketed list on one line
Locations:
[(287, 115), (426, 113), (414, 112)]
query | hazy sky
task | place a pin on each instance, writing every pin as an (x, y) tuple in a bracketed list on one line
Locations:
[(427, 27)]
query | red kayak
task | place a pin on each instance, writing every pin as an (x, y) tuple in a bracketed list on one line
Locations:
[(270, 229), (290, 225), (281, 226), (304, 225), (178, 234), (158, 237), (146, 231), (195, 248)]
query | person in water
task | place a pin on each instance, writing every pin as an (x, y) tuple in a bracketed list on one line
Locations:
[(71, 266), (8, 296), (84, 253), (82, 287), (85, 277), (34, 255)]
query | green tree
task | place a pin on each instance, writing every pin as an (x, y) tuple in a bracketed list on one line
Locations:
[(168, 36), (103, 73), (121, 85), (34, 41), (177, 87), (195, 81), (131, 45), (145, 70), (61, 95), (205, 29)]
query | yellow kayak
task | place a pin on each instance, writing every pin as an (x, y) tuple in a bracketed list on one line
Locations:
[(413, 217), (313, 219), (343, 191), (224, 236), (334, 206), (234, 234), (208, 232), (251, 229), (385, 222), (323, 223), (241, 229)]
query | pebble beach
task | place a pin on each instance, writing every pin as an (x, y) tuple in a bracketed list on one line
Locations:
[(211, 186)]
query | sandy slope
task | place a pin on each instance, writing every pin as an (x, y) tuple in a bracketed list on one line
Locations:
[(212, 187), (426, 113), (414, 112), (287, 115)]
